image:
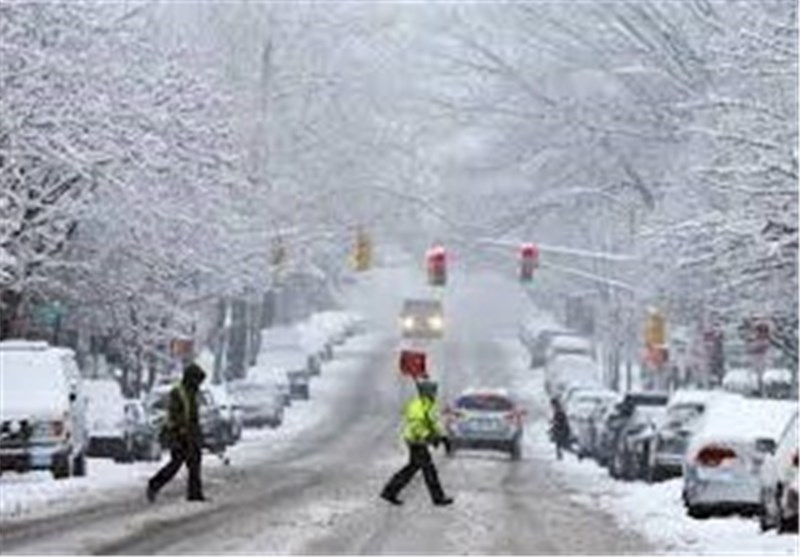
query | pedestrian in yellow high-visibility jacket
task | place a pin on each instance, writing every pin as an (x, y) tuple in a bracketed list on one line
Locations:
[(184, 436), (420, 428)]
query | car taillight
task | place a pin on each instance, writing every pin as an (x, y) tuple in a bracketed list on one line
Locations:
[(794, 459), (512, 417), (57, 428), (713, 455)]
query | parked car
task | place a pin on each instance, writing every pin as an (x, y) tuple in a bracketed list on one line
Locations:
[(778, 506), (778, 384), (422, 318), (289, 342), (231, 415), (212, 424), (666, 447), (569, 370), (484, 419), (631, 451), (142, 431), (108, 437), (721, 470), (562, 345), (42, 410), (299, 385), (583, 409), (615, 422), (316, 340), (333, 323), (538, 342), (743, 381), (260, 403)]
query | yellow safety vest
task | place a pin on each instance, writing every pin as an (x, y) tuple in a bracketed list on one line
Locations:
[(421, 420)]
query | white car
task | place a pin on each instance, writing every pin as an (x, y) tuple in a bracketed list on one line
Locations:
[(721, 469), (334, 323), (108, 435), (779, 483), (582, 411), (562, 345), (568, 370), (287, 344), (285, 365), (260, 403), (230, 414), (669, 442), (316, 340), (42, 409)]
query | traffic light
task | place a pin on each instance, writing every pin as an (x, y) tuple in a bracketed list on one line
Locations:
[(436, 261), (528, 261), (655, 329), (363, 254)]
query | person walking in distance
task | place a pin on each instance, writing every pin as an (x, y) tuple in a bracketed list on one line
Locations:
[(183, 435), (421, 428), (559, 428)]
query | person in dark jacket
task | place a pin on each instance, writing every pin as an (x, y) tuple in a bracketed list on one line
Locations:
[(559, 428), (183, 435), (421, 428)]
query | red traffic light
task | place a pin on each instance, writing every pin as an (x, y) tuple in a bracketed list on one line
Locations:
[(529, 260), (437, 266)]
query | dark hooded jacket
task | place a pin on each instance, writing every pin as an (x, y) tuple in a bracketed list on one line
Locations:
[(183, 420)]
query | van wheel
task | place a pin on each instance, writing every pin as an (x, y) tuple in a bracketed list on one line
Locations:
[(60, 468), (79, 466)]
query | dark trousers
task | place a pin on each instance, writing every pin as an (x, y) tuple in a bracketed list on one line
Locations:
[(191, 454), (419, 458)]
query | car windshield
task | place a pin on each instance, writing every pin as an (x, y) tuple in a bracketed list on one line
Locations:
[(683, 413), (486, 403)]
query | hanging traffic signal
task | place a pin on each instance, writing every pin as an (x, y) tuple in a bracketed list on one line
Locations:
[(528, 261), (363, 254), (436, 261)]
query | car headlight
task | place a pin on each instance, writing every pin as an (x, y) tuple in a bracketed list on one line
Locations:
[(408, 323), (435, 322)]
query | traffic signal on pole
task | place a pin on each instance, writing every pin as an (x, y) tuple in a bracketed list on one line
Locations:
[(528, 261), (278, 252), (363, 254), (436, 261)]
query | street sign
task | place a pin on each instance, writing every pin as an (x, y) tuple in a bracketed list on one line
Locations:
[(413, 364)]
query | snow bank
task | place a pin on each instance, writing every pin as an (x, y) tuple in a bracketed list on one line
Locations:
[(33, 492), (654, 510)]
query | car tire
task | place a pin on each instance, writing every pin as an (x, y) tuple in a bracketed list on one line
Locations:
[(698, 512), (783, 524), (60, 467), (79, 466)]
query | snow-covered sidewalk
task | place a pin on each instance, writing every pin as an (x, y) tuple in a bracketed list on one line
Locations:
[(37, 492), (655, 511)]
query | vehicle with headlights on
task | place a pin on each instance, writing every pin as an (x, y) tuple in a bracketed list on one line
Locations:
[(422, 318)]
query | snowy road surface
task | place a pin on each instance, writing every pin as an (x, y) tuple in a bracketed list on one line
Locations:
[(312, 487)]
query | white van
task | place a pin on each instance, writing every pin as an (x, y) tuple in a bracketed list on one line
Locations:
[(108, 437), (42, 409)]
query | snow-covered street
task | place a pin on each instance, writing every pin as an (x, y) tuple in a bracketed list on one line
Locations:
[(312, 487), (399, 277)]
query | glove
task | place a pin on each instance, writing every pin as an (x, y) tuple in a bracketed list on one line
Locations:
[(446, 443)]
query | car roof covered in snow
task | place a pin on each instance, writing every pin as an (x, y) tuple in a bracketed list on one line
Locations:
[(692, 396), (570, 341), (738, 420), (33, 380)]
